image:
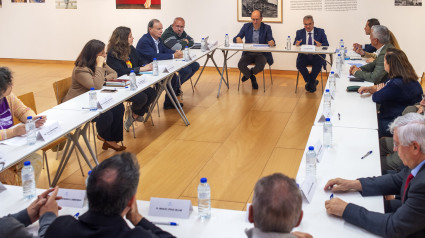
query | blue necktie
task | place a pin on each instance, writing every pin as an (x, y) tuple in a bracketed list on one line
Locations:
[(310, 41)]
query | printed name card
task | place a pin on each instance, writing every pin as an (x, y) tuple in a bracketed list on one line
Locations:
[(141, 79), (173, 208), (318, 149), (47, 132), (71, 198), (308, 187), (308, 48), (105, 102)]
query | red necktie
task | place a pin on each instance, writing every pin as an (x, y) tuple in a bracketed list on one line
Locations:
[(406, 186)]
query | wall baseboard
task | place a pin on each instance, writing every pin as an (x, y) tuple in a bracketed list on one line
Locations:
[(37, 61)]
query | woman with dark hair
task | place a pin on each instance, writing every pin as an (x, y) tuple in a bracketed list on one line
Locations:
[(91, 71), (123, 57), (11, 107), (401, 90)]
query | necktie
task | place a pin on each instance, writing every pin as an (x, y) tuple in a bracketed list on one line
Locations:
[(310, 41), (406, 186)]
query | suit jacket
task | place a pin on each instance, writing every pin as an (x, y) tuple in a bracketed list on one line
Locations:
[(407, 220), (319, 35), (147, 49), (91, 224), (369, 48), (375, 72), (121, 67), (265, 36)]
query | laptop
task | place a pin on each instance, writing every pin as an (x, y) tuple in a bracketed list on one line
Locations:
[(198, 45)]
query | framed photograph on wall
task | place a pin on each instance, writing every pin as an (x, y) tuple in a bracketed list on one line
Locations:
[(138, 4), (66, 4), (271, 10)]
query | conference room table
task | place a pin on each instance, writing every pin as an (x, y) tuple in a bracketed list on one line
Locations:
[(74, 116), (264, 48)]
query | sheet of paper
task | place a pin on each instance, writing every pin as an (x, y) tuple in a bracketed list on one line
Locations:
[(236, 46), (308, 188), (71, 197)]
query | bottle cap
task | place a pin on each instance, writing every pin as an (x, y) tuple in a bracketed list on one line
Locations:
[(332, 72), (339, 54), (29, 117), (311, 148), (327, 90), (328, 119), (203, 38), (289, 36), (187, 47), (203, 180), (89, 172), (341, 39), (26, 163), (154, 58), (91, 88), (227, 34), (132, 71)]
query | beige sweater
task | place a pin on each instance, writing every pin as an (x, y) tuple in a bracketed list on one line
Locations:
[(83, 78)]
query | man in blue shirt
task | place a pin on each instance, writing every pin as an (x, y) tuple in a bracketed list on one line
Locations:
[(257, 33), (404, 217)]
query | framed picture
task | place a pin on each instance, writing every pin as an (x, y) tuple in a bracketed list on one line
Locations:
[(271, 10), (138, 4), (66, 4)]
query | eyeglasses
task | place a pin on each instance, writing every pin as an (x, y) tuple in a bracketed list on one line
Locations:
[(309, 24)]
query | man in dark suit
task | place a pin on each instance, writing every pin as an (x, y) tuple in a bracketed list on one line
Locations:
[(111, 192), (404, 217), (151, 46), (310, 35), (257, 33), (360, 49), (375, 72)]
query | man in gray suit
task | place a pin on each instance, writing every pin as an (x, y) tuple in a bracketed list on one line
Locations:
[(404, 217), (375, 72), (276, 208)]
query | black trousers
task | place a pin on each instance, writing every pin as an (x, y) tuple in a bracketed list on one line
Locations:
[(252, 57), (109, 124), (142, 101), (315, 61)]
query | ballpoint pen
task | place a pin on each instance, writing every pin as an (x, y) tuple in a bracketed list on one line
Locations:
[(165, 223), (332, 196), (367, 154)]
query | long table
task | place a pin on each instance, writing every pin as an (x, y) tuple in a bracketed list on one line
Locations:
[(264, 48)]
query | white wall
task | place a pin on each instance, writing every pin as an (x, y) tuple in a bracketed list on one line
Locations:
[(40, 31)]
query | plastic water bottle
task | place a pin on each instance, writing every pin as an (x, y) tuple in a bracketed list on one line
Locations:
[(226, 40), (332, 84), (204, 200), (92, 100), (155, 70), (327, 103), (338, 64), (327, 133), (133, 81), (310, 163), (30, 129), (186, 54), (342, 52), (288, 43), (28, 180), (203, 46)]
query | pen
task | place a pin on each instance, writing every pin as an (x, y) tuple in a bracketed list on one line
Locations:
[(332, 196), (37, 119), (76, 215), (85, 108), (367, 154), (165, 223), (339, 116)]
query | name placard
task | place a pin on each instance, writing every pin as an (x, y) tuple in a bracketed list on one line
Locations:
[(308, 48), (105, 102), (173, 208), (318, 149), (47, 132), (169, 68), (308, 188), (71, 197)]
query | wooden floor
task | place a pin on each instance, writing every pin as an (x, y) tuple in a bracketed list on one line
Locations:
[(233, 140)]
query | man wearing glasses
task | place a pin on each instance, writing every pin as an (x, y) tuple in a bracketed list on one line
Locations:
[(310, 35), (256, 33)]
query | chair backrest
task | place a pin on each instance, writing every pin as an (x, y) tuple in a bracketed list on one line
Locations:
[(29, 101), (61, 88)]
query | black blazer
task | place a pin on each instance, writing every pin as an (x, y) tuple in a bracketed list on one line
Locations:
[(91, 224), (121, 67)]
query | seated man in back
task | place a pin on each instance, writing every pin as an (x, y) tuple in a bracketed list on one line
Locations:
[(310, 35), (375, 72), (404, 217), (257, 33), (276, 208), (151, 46), (111, 192), (359, 48)]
